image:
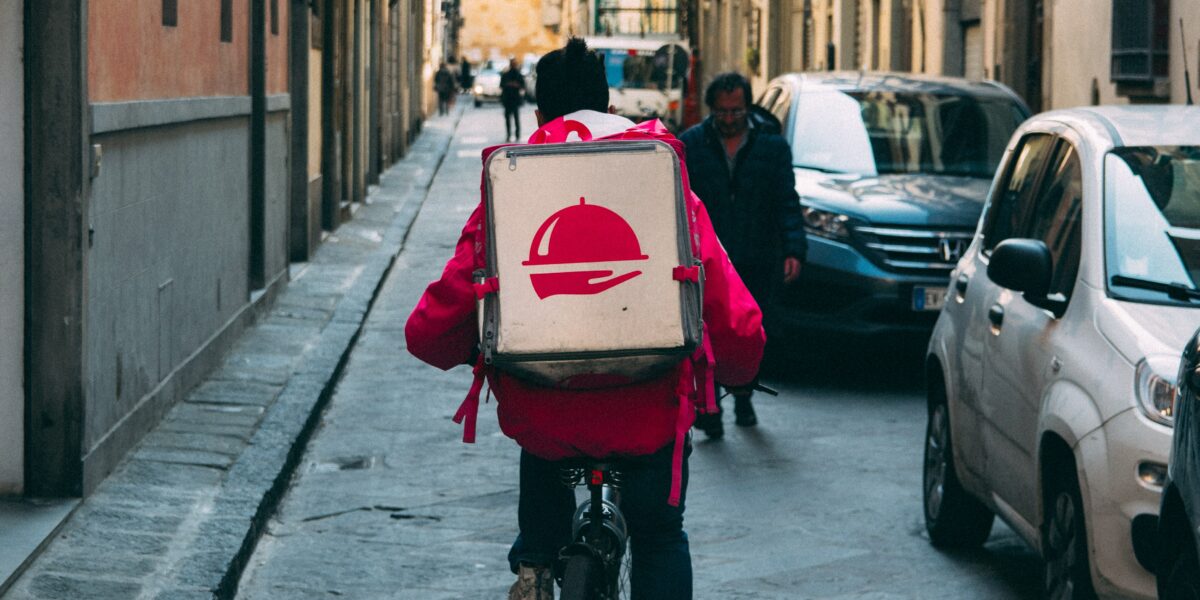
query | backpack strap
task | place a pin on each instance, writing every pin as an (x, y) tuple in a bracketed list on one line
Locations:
[(704, 366), (682, 273), (683, 422), (469, 409)]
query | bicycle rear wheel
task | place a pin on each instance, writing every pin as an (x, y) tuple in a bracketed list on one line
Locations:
[(583, 578)]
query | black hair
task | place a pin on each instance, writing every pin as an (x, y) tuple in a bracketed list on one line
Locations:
[(727, 82), (569, 79)]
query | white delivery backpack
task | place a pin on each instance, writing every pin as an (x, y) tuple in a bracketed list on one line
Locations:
[(590, 279)]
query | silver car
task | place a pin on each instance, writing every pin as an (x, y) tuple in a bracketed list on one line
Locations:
[(1052, 369)]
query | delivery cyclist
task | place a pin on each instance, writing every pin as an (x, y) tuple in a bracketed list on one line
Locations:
[(648, 419)]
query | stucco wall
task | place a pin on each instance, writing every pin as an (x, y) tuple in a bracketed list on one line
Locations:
[(504, 28), (168, 266), (133, 56), (12, 247), (276, 215), (277, 50)]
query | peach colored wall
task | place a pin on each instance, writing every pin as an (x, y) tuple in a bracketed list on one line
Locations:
[(133, 56), (277, 50)]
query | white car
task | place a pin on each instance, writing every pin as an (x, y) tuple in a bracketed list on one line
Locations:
[(1052, 367)]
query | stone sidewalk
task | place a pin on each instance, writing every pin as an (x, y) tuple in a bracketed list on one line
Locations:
[(181, 515)]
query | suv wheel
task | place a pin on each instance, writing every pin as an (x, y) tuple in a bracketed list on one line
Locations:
[(1183, 576), (1067, 574), (953, 518)]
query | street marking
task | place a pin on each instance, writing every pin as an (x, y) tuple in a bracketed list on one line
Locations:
[(475, 139)]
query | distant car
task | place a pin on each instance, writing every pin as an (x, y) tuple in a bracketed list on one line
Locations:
[(487, 82), (1052, 368), (529, 70), (646, 75), (892, 171), (1178, 568)]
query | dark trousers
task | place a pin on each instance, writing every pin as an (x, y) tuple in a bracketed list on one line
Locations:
[(443, 103), (512, 120), (661, 559)]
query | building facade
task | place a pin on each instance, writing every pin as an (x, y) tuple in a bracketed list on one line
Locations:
[(180, 155), (12, 249), (1054, 54), (498, 29)]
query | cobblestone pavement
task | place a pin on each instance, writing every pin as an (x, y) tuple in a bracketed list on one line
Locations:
[(178, 518), (822, 500)]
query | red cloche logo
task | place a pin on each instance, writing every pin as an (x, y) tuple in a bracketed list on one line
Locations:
[(583, 233)]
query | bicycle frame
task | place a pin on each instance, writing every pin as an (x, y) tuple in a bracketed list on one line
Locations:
[(598, 528)]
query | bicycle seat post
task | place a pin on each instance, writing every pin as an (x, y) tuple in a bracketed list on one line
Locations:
[(596, 481)]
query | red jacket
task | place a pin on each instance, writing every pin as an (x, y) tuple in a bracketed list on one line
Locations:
[(633, 420)]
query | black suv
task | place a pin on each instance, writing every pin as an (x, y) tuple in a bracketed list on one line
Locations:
[(1178, 569)]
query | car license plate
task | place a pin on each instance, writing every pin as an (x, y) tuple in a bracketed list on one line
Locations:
[(928, 298)]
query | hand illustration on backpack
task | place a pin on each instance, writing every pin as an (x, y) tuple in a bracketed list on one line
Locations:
[(583, 233)]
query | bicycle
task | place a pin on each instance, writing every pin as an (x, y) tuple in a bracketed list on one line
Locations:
[(595, 565)]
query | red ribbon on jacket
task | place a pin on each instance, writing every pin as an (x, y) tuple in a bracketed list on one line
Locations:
[(491, 285), (469, 409), (685, 391), (686, 273)]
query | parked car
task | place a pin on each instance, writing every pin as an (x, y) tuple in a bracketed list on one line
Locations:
[(1178, 567), (646, 75), (529, 70), (487, 82), (1051, 370), (892, 171)]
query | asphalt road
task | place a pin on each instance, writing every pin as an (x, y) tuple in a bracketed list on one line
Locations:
[(821, 500)]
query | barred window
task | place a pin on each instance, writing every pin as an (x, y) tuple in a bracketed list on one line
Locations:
[(170, 13), (1140, 34), (226, 20)]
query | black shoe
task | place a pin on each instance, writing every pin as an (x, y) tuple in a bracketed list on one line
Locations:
[(743, 412), (711, 425)]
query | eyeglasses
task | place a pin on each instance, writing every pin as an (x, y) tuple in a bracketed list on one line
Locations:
[(729, 112)]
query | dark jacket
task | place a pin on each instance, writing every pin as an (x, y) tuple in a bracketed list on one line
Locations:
[(755, 210), (512, 87)]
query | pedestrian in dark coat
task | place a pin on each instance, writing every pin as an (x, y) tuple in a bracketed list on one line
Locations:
[(512, 96), (444, 85), (740, 166)]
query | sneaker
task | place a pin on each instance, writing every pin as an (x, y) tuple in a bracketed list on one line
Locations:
[(743, 412), (533, 583), (711, 425)]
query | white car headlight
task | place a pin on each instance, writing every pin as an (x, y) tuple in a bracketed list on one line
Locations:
[(479, 89), (825, 223), (1156, 388)]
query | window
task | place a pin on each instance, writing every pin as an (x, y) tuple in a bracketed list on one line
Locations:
[(1055, 220), (315, 29), (1015, 197), (226, 20), (274, 17), (768, 98), (783, 106), (1140, 34), (170, 13)]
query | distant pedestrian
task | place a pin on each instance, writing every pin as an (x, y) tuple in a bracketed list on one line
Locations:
[(741, 168), (465, 78), (512, 96), (444, 85)]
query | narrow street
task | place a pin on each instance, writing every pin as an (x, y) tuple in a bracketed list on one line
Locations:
[(822, 500)]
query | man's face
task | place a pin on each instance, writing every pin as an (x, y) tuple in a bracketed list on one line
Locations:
[(729, 112)]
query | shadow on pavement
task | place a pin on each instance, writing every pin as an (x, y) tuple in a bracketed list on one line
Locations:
[(878, 363)]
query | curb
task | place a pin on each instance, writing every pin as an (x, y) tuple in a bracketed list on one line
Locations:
[(181, 516), (284, 432)]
